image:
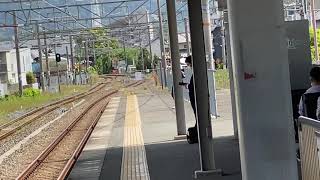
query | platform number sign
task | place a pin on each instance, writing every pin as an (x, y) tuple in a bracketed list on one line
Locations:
[(58, 57)]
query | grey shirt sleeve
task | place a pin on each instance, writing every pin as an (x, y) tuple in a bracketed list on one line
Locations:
[(301, 107)]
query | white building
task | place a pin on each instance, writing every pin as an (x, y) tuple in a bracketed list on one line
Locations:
[(9, 68), (155, 46)]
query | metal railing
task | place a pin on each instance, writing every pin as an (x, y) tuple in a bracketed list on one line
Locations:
[(309, 141)]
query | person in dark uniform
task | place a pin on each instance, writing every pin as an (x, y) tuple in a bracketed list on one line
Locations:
[(192, 135), (191, 87)]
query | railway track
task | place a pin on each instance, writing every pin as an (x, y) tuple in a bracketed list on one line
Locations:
[(13, 126), (56, 161)]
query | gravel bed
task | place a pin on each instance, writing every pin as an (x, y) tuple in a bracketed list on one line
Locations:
[(59, 157), (19, 160), (12, 140)]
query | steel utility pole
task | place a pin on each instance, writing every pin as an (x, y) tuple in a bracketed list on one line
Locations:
[(141, 51), (149, 38), (72, 60), (176, 72), (125, 54), (68, 66), (86, 55), (57, 66), (16, 42), (163, 56), (58, 72), (47, 57), (94, 51), (40, 57), (187, 35), (314, 26)]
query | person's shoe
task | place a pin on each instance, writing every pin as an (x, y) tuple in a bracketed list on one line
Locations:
[(173, 107)]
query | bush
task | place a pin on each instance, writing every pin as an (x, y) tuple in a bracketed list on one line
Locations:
[(30, 78), (30, 92)]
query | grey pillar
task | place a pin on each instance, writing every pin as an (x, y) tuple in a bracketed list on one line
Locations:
[(40, 58), (72, 60), (176, 72), (229, 66), (86, 55), (262, 90), (68, 66), (47, 58), (209, 56), (16, 42), (163, 55), (149, 39), (187, 35), (201, 89), (207, 32)]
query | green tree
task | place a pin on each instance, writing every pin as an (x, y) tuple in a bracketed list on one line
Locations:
[(108, 50), (103, 64), (313, 51), (30, 78), (144, 60)]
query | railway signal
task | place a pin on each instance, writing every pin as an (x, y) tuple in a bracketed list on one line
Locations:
[(58, 57)]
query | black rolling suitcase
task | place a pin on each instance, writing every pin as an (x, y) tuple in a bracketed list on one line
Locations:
[(192, 135)]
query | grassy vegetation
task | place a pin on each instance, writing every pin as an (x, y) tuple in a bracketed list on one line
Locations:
[(15, 103), (222, 79)]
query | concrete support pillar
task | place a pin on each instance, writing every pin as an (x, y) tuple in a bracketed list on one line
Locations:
[(230, 70), (163, 53), (47, 58), (209, 56), (16, 44), (40, 58), (262, 90), (186, 29), (207, 33), (176, 72), (201, 89), (86, 54), (72, 59)]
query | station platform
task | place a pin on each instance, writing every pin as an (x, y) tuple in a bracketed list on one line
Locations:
[(134, 140)]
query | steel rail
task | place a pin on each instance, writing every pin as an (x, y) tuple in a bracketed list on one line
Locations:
[(39, 160), (55, 106), (33, 166)]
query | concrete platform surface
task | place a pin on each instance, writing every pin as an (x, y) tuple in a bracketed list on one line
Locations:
[(134, 139)]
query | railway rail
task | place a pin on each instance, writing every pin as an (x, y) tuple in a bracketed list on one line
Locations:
[(13, 126), (58, 156)]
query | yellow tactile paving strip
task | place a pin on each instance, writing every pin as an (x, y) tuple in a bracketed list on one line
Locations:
[(134, 161)]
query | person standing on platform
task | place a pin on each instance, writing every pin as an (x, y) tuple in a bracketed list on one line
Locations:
[(192, 135), (191, 87), (172, 90), (315, 88)]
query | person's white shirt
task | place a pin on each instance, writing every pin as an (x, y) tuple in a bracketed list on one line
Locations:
[(312, 89)]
